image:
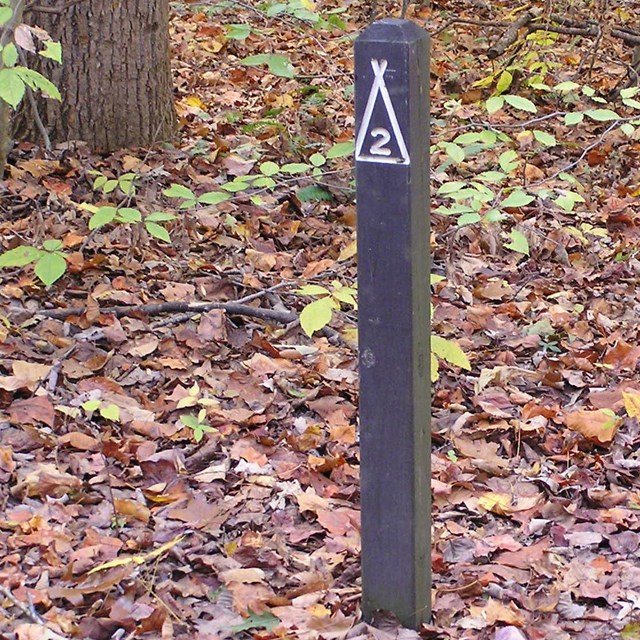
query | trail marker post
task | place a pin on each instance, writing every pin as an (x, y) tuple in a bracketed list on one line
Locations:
[(392, 182)]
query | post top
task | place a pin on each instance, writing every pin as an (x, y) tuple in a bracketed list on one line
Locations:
[(393, 30)]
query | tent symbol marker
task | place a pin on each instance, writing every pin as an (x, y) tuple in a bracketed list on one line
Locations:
[(378, 151)]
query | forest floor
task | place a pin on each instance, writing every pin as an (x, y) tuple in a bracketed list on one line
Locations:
[(180, 472)]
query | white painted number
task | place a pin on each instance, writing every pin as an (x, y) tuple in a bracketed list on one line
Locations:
[(378, 148)]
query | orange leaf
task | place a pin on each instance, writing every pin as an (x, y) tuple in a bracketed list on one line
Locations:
[(598, 426)]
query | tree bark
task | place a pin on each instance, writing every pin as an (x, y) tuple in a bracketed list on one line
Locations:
[(115, 77)]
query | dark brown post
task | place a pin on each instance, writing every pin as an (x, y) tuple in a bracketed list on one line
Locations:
[(392, 178)]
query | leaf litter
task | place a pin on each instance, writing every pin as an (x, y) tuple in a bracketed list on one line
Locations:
[(116, 518)]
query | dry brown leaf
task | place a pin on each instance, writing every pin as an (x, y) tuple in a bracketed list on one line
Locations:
[(598, 426)]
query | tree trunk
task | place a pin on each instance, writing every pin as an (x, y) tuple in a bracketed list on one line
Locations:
[(115, 77)]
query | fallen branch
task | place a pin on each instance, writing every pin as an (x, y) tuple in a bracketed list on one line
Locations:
[(232, 308), (156, 308), (510, 35)]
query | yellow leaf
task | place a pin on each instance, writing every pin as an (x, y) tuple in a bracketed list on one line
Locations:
[(449, 351), (499, 503), (139, 559), (434, 368), (194, 101), (316, 315), (632, 403)]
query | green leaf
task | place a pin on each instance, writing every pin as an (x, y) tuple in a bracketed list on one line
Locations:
[(575, 117), (494, 103), (313, 290), (341, 149), (494, 215), (451, 187), (11, 87), (294, 167), (488, 137), (634, 104), (264, 620), (455, 152), (628, 129), (110, 412), (10, 55), (178, 191), (317, 159), (6, 13), (50, 267), (157, 231), (104, 215), (468, 218), (517, 198), (269, 168), (602, 115), (259, 58), (278, 64), (519, 242), (126, 186), (523, 104), (504, 82), (508, 160), (567, 200), (545, 138), (468, 138), (491, 177), (99, 182), (565, 87), (213, 197), (435, 278), (316, 315), (238, 31), (52, 50), (37, 81), (449, 351), (313, 193), (53, 244), (160, 216), (91, 405), (235, 185), (264, 181), (629, 92), (190, 421), (110, 186), (128, 215), (20, 256), (345, 296)]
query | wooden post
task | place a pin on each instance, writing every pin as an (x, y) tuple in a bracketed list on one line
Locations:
[(392, 179)]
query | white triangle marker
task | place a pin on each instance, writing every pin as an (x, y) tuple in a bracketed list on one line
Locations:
[(378, 152)]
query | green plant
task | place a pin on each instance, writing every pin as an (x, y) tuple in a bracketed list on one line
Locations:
[(317, 314), (197, 424), (270, 176), (50, 263), (126, 183), (15, 78), (128, 215), (491, 195), (107, 411)]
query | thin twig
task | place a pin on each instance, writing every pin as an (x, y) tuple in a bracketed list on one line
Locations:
[(30, 613), (34, 108)]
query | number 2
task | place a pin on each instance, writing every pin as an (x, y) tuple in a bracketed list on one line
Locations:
[(378, 148)]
